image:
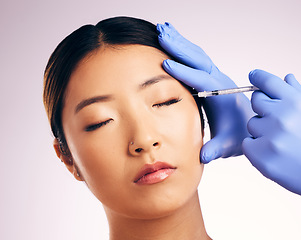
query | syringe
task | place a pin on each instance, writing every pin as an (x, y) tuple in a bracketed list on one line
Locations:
[(226, 91)]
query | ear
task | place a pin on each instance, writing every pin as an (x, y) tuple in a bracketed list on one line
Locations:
[(67, 160)]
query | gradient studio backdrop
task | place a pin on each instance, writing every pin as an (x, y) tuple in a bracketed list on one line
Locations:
[(41, 200)]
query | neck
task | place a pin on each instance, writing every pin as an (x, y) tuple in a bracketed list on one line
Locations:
[(184, 223)]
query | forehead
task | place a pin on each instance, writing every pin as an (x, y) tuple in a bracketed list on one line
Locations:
[(115, 66)]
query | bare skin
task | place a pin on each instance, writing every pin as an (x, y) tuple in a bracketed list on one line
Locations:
[(185, 223), (122, 111)]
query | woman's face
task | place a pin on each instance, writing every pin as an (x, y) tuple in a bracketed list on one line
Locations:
[(134, 132)]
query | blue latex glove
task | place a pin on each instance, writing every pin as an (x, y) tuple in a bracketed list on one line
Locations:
[(275, 149), (228, 114)]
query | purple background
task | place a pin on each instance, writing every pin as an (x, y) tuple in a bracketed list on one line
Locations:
[(41, 200)]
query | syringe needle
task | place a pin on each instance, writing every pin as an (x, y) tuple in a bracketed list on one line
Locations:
[(226, 91)]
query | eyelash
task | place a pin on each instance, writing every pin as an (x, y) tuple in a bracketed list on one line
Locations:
[(168, 103), (98, 125)]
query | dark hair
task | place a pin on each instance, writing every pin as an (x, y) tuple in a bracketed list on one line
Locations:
[(76, 46)]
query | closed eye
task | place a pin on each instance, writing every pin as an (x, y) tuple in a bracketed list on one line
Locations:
[(167, 103), (96, 126)]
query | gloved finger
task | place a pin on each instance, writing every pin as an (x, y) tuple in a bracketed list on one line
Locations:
[(270, 84), (211, 150), (181, 49), (197, 79), (255, 126), (220, 146), (291, 80), (255, 151), (261, 103)]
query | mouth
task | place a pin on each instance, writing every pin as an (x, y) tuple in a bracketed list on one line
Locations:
[(154, 173)]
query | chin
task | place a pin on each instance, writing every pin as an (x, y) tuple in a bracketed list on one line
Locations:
[(160, 208), (163, 199)]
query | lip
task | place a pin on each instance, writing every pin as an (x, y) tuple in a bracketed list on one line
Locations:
[(154, 173)]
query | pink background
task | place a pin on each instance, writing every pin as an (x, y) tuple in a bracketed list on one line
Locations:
[(41, 200)]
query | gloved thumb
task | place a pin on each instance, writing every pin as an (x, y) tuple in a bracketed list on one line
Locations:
[(211, 150), (220, 146)]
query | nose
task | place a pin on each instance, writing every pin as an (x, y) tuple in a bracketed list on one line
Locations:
[(136, 149), (144, 138)]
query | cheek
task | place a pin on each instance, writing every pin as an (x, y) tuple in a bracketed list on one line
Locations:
[(101, 162), (185, 129), (183, 139), (188, 141)]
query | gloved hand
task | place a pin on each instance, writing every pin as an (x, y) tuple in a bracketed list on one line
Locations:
[(275, 149), (228, 114)]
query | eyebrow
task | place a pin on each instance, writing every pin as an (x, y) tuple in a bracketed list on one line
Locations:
[(154, 80), (92, 100), (105, 98)]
